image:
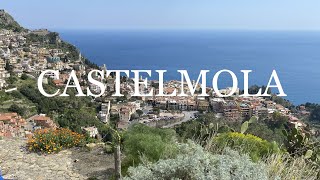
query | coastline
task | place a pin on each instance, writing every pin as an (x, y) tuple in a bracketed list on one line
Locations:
[(122, 50)]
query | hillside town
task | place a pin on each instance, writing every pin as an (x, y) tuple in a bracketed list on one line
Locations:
[(62, 116), (18, 57)]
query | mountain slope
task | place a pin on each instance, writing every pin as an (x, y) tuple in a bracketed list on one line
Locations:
[(7, 22)]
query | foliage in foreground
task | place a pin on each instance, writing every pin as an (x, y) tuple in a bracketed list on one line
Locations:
[(245, 143), (283, 166), (52, 141), (299, 143), (194, 163), (207, 126), (152, 143)]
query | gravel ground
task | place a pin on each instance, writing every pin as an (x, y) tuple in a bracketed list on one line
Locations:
[(17, 163)]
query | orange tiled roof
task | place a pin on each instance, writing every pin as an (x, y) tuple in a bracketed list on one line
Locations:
[(9, 114), (5, 118), (41, 118)]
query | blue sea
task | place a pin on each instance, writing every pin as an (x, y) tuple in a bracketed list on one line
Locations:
[(294, 55)]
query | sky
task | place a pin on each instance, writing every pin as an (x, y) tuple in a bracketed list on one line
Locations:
[(166, 14)]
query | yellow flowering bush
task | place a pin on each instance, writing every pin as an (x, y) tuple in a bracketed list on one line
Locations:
[(52, 141), (246, 143)]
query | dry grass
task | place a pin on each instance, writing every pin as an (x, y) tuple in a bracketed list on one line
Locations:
[(283, 166)]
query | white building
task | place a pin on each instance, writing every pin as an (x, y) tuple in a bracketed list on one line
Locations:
[(92, 131), (104, 114)]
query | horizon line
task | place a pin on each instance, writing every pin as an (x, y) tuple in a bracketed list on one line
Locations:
[(179, 29)]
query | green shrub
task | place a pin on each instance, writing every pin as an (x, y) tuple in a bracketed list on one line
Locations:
[(151, 143), (24, 77), (194, 163), (108, 149), (245, 143), (16, 94), (17, 109)]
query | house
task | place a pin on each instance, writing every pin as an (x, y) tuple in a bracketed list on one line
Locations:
[(202, 105), (136, 104), (217, 104), (192, 106), (2, 83), (124, 118), (124, 114), (246, 110), (104, 114), (227, 91), (260, 111), (295, 122), (92, 131), (270, 104), (3, 73), (231, 111), (173, 104), (183, 104), (58, 82), (43, 121), (160, 103)]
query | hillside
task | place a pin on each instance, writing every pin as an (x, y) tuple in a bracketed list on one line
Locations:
[(8, 22), (49, 39)]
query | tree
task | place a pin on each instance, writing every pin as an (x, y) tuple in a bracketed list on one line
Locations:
[(134, 116), (53, 37), (9, 67), (139, 112), (278, 121), (156, 110), (26, 49), (17, 109), (12, 79), (255, 89), (24, 76), (315, 114)]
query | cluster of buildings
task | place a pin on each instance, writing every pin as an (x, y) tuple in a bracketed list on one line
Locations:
[(13, 125), (234, 108), (32, 58), (41, 121), (17, 56), (124, 111)]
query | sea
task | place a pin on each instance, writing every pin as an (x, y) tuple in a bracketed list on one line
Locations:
[(295, 55)]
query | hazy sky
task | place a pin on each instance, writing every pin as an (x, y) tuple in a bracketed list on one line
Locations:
[(174, 14)]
